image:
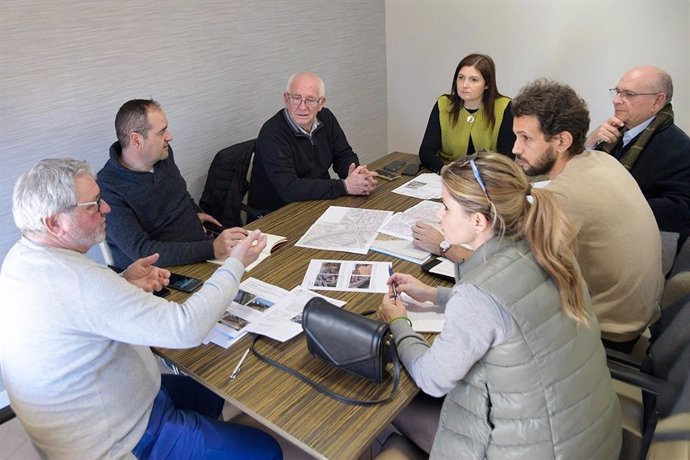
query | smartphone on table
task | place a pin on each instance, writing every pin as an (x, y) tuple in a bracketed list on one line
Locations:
[(385, 174), (394, 166), (184, 283)]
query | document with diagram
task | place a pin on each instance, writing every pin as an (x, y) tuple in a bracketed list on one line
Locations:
[(344, 229), (400, 224)]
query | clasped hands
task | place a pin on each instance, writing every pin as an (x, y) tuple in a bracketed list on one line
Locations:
[(360, 181)]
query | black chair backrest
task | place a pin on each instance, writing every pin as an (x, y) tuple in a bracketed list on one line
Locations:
[(226, 183), (669, 354)]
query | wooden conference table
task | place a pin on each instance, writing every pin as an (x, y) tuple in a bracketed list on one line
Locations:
[(322, 426)]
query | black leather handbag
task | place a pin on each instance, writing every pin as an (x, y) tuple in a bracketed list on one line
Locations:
[(347, 340), (352, 342)]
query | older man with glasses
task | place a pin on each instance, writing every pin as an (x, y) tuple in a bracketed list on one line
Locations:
[(75, 336), (297, 147), (643, 137)]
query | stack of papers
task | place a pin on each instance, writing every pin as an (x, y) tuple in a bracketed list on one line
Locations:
[(264, 309), (395, 235), (400, 224), (400, 248)]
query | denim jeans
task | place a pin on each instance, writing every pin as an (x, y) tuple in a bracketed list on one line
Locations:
[(184, 425)]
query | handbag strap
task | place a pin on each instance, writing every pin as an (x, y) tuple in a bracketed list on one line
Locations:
[(331, 393)]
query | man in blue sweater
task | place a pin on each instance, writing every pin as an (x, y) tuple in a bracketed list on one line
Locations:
[(297, 147), (151, 209)]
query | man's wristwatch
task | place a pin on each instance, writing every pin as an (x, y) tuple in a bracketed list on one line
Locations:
[(444, 247)]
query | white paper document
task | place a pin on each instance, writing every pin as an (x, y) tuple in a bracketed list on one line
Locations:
[(400, 224), (344, 229), (264, 309), (445, 268), (285, 322), (425, 186), (425, 316), (347, 275), (400, 248), (253, 302)]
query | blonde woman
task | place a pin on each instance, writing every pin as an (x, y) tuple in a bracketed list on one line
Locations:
[(519, 362)]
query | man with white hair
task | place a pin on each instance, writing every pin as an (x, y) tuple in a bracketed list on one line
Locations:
[(297, 147), (644, 138), (75, 336)]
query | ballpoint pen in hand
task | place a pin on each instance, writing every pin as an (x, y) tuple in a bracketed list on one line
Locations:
[(395, 287), (239, 365)]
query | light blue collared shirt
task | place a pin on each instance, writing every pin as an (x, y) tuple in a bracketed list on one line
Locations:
[(633, 132)]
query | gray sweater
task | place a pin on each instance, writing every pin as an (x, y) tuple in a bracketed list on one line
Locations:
[(74, 347)]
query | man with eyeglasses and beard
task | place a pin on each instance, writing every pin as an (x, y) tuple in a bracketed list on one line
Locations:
[(644, 138), (618, 244), (297, 147)]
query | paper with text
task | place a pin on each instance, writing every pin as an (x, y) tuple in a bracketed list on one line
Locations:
[(425, 186)]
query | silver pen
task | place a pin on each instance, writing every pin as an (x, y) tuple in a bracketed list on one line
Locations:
[(239, 365)]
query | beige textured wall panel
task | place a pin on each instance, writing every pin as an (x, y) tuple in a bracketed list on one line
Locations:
[(218, 68)]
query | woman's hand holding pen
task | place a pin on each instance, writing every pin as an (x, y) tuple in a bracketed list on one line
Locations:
[(413, 287), (392, 307)]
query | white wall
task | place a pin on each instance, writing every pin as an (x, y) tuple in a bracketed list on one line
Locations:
[(587, 44), (218, 67)]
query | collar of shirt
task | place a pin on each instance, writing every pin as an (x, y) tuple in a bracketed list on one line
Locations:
[(633, 132), (298, 129)]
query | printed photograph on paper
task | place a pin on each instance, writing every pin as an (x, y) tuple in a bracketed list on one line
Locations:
[(361, 276), (328, 275), (232, 321), (347, 275)]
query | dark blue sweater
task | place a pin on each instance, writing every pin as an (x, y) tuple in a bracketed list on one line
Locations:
[(663, 173), (291, 166), (151, 212)]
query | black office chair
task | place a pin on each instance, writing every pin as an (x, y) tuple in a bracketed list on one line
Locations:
[(662, 375), (227, 185), (672, 435)]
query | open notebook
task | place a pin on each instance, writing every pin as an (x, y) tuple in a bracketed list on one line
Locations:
[(273, 243)]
